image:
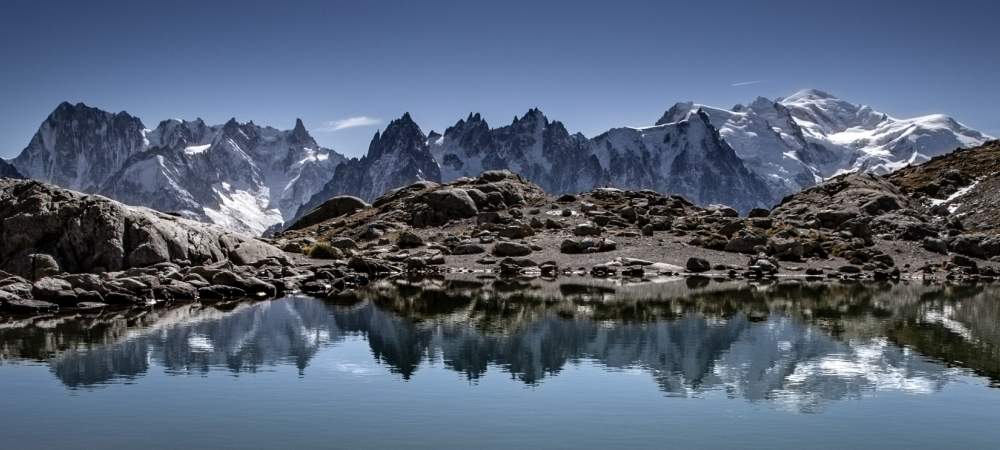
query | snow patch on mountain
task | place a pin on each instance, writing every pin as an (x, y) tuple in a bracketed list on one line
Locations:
[(196, 149), (243, 209)]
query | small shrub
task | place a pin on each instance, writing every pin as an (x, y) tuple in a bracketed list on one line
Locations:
[(323, 250)]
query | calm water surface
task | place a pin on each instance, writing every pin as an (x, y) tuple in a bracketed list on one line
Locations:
[(472, 364)]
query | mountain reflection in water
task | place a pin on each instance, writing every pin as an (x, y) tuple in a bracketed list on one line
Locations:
[(797, 344)]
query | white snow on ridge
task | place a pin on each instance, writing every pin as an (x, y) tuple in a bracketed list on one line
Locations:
[(196, 149), (952, 207)]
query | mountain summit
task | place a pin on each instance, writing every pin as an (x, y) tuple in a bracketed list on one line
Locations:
[(396, 157), (797, 141)]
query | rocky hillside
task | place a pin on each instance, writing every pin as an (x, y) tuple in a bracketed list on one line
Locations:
[(852, 226), (240, 175), (964, 184)]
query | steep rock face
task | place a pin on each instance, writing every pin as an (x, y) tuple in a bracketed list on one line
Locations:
[(766, 138), (687, 157), (79, 147), (240, 175), (89, 233), (8, 171), (396, 157), (541, 150)]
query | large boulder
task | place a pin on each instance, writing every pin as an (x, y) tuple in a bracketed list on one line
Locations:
[(442, 205), (42, 265), (90, 233), (698, 265), (507, 248), (335, 207)]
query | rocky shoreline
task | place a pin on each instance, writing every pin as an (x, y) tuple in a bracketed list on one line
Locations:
[(71, 251)]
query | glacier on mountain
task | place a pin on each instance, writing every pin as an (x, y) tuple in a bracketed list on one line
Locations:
[(875, 141)]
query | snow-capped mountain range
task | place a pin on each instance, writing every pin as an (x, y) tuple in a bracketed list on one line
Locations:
[(745, 156), (251, 178), (686, 157), (240, 175), (797, 141)]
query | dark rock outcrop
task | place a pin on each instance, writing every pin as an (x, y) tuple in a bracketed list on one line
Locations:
[(8, 171), (335, 207), (88, 233)]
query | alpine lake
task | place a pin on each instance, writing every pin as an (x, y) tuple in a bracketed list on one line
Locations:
[(483, 362)]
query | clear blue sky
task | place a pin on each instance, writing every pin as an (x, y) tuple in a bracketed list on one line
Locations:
[(592, 65)]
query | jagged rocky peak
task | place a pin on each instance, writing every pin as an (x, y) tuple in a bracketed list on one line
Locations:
[(534, 117), (175, 133), (473, 123), (79, 147), (397, 156), (401, 135), (471, 134), (300, 134)]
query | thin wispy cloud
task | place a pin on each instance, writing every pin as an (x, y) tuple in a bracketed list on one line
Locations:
[(747, 83), (350, 122)]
